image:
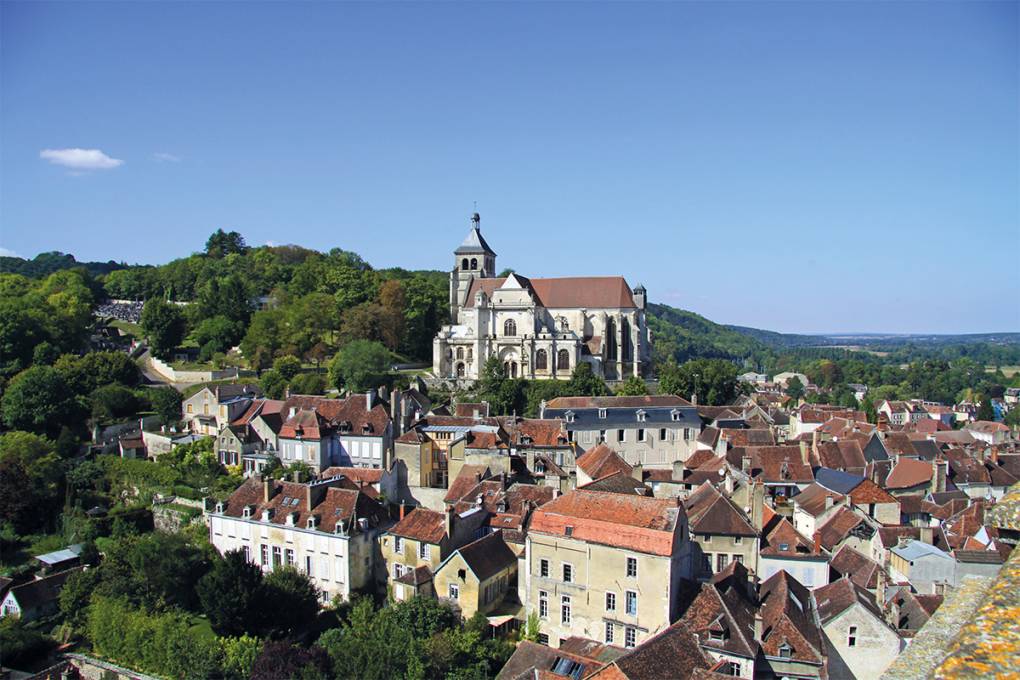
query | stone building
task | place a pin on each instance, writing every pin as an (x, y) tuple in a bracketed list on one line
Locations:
[(539, 328)]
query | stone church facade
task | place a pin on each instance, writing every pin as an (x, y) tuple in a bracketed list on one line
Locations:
[(539, 328)]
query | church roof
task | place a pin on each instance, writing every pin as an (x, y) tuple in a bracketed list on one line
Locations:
[(474, 243), (579, 292)]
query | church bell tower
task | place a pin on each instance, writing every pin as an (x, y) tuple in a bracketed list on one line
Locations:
[(474, 259)]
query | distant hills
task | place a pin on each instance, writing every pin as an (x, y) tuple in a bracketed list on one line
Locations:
[(45, 264)]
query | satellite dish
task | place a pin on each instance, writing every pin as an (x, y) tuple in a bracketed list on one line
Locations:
[(722, 472)]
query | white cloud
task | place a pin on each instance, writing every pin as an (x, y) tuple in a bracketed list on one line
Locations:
[(4, 252), (161, 157), (80, 159)]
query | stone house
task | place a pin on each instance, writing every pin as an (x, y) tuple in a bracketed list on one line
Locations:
[(351, 432), (415, 546), (720, 531), (652, 431), (783, 548), (926, 567), (860, 642), (212, 408), (606, 566), (326, 529), (478, 576)]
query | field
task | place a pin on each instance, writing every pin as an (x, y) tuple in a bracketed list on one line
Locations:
[(1008, 371)]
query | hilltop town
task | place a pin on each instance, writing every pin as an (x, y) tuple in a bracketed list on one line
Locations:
[(537, 488)]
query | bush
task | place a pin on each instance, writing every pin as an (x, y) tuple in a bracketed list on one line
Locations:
[(20, 646), (308, 383)]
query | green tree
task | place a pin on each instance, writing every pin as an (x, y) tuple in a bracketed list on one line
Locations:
[(84, 374), (360, 365), (308, 383), (287, 367), (157, 571), (1012, 419), (632, 387), (273, 384), (163, 323), (292, 599), (21, 646), (166, 402), (985, 409), (38, 400), (263, 339), (112, 402), (221, 243), (239, 656), (231, 595), (710, 381), (76, 595), (216, 334), (32, 477), (795, 388), (584, 383)]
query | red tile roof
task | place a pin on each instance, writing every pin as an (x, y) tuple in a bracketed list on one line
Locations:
[(869, 492), (422, 524), (786, 617), (635, 523), (601, 461), (589, 292), (907, 473)]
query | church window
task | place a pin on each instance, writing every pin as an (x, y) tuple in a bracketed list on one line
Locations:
[(474, 263), (460, 370), (471, 354), (611, 340), (464, 264), (563, 360), (626, 346), (510, 327), (541, 360), (460, 352)]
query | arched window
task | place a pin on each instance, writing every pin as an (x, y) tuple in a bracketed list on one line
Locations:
[(460, 370), (449, 354), (611, 339), (563, 360), (626, 345), (471, 354), (474, 263), (541, 360), (510, 327), (464, 264), (513, 369), (460, 352)]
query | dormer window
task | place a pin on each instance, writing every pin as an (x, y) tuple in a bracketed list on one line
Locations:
[(676, 415), (717, 635), (785, 651), (784, 547), (219, 508), (641, 416), (246, 512), (569, 416), (602, 414), (291, 517), (313, 522), (367, 428), (345, 426)]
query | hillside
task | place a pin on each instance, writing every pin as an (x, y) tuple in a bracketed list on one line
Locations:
[(685, 335), (45, 264)]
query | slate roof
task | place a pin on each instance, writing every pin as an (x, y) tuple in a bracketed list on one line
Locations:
[(632, 522), (643, 401), (474, 243), (837, 480)]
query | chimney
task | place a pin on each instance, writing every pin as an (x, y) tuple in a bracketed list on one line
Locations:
[(450, 512), (369, 400), (804, 452), (638, 472), (758, 626), (268, 489), (993, 456), (829, 501), (815, 437), (817, 542), (927, 535), (694, 398), (402, 508), (678, 470), (745, 465), (757, 504)]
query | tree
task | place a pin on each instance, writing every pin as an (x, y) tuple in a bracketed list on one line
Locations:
[(163, 323), (370, 321), (239, 656), (231, 595), (710, 381), (287, 367), (584, 383), (795, 388), (76, 595), (221, 243), (985, 409), (166, 402), (39, 400), (263, 339), (308, 383), (284, 660), (359, 366), (216, 334), (292, 599), (632, 387), (111, 402), (1012, 419), (154, 570), (31, 490), (273, 384), (423, 616), (95, 369)]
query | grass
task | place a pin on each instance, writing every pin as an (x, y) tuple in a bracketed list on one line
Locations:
[(1008, 371), (132, 329)]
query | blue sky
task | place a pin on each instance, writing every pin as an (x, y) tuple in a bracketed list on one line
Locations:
[(813, 167)]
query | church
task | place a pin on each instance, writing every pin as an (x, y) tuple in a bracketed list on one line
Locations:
[(539, 328)]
